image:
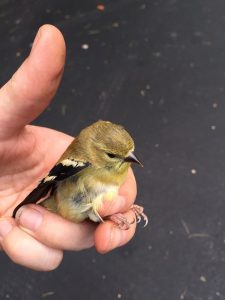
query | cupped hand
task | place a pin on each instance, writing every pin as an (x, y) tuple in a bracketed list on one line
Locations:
[(37, 238)]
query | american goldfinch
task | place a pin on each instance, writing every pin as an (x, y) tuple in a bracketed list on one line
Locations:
[(91, 170)]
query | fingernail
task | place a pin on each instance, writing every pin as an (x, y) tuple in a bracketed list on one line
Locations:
[(5, 228), (29, 218), (37, 38)]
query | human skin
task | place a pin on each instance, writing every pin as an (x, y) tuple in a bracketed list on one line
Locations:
[(36, 238)]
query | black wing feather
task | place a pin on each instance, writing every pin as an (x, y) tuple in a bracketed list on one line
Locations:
[(59, 172), (39, 192), (62, 172)]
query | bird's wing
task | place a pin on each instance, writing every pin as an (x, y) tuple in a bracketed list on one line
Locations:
[(62, 170)]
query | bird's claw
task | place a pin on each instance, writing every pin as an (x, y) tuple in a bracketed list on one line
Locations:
[(139, 214)]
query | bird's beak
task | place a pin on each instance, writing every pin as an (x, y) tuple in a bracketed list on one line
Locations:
[(133, 159)]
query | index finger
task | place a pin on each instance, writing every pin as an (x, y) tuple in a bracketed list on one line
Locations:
[(53, 230)]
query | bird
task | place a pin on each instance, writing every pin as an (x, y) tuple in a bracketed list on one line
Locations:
[(90, 171)]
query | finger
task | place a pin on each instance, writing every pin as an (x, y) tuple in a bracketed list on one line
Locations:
[(125, 198), (23, 249), (30, 89), (129, 189), (108, 236), (55, 231)]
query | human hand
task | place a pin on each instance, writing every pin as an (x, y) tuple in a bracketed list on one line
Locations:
[(37, 238)]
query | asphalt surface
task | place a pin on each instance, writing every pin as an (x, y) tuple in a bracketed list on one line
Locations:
[(158, 68)]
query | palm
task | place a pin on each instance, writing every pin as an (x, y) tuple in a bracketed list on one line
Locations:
[(25, 159)]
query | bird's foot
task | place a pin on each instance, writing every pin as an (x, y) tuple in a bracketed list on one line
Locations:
[(120, 221), (139, 214)]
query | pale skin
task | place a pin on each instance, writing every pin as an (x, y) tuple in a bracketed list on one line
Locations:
[(37, 238)]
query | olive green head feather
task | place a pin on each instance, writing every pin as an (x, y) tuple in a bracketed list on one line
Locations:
[(103, 144)]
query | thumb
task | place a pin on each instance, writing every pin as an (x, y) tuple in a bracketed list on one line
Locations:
[(31, 88)]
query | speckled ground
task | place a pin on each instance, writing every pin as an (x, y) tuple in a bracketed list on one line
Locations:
[(158, 67)]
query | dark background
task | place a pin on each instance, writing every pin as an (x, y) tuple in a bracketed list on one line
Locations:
[(158, 68)]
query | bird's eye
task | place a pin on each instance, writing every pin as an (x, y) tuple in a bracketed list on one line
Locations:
[(111, 155)]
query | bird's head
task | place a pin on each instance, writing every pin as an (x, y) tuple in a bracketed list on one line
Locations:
[(107, 145)]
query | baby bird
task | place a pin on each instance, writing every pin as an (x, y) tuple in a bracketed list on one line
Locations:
[(91, 170)]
